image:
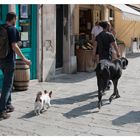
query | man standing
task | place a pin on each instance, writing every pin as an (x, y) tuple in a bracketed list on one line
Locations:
[(7, 65), (104, 42), (96, 30)]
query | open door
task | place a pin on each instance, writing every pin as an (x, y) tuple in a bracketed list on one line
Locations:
[(59, 36)]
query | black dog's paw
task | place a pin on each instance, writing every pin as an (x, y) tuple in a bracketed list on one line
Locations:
[(110, 99), (99, 105), (117, 96)]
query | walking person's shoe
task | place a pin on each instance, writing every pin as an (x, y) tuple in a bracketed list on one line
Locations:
[(10, 109), (4, 115)]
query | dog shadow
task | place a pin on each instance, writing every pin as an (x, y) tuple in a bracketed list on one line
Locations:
[(31, 114), (130, 117), (28, 115), (85, 109), (78, 111)]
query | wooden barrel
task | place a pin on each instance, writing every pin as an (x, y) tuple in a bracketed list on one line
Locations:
[(84, 60), (22, 75)]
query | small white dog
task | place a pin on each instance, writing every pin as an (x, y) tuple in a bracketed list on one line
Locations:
[(42, 101)]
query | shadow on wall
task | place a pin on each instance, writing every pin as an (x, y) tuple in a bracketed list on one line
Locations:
[(74, 78), (131, 117)]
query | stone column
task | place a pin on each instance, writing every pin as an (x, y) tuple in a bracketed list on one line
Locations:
[(48, 42), (69, 60), (106, 13), (39, 42), (76, 19)]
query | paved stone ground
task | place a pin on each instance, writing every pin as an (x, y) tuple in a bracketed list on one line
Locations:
[(74, 111)]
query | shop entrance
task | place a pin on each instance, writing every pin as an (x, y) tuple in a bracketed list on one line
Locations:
[(27, 25), (3, 12), (59, 36)]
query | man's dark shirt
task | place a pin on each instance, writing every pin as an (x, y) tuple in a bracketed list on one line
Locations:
[(104, 40), (13, 37)]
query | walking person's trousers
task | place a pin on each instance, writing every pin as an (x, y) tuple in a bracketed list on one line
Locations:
[(8, 72)]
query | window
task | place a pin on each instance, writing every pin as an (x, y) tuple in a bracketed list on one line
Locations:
[(0, 14), (111, 17), (24, 24), (111, 14)]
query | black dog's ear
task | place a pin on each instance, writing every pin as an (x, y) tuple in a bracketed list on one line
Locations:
[(126, 62), (118, 61)]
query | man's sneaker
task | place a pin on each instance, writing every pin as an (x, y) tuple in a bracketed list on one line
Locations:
[(4, 115), (10, 108)]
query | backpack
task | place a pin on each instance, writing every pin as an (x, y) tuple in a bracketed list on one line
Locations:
[(4, 42)]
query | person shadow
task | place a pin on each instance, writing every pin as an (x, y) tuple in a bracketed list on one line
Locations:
[(83, 109), (130, 117)]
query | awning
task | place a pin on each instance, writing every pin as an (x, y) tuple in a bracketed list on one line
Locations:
[(128, 12)]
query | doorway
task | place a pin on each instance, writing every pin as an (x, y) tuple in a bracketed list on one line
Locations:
[(3, 13), (27, 26), (59, 36)]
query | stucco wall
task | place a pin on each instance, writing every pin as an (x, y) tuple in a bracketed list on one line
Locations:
[(126, 29), (49, 41)]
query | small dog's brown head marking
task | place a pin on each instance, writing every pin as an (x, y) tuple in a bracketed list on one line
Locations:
[(39, 94)]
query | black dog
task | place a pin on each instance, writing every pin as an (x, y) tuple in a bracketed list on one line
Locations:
[(106, 71)]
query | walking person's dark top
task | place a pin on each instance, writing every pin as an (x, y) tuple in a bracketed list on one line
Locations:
[(104, 40)]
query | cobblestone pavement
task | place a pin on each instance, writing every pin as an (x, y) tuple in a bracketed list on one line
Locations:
[(74, 110)]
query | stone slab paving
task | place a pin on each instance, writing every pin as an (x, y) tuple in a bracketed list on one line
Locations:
[(74, 110)]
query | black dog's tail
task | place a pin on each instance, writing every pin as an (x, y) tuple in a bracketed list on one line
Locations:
[(103, 70)]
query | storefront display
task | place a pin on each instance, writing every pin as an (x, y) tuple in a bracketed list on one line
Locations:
[(84, 53), (25, 24), (85, 22)]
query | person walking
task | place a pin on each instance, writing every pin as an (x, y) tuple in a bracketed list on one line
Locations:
[(8, 48), (104, 42)]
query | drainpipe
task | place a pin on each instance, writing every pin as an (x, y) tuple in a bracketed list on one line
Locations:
[(41, 42)]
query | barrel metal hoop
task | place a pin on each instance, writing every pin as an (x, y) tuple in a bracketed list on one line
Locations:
[(21, 81)]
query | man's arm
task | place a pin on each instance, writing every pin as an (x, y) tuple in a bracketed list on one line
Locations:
[(114, 44), (17, 50)]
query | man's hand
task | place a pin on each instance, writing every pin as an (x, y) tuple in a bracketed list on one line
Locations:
[(114, 44), (118, 55), (17, 50), (27, 61)]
